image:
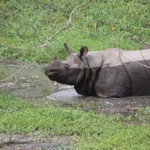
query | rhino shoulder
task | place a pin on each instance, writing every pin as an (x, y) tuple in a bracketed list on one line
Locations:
[(95, 59), (111, 57), (104, 58)]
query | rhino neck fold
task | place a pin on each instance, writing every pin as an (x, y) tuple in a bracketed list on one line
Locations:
[(85, 85)]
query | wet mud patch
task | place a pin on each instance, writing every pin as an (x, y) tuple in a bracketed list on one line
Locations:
[(126, 106), (31, 84), (28, 84), (31, 142)]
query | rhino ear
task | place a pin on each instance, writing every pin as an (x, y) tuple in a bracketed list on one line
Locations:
[(69, 50), (83, 51)]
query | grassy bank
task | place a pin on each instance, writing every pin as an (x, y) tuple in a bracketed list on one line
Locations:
[(26, 24), (92, 131)]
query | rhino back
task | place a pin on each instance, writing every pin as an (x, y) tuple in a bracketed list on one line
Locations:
[(113, 79), (137, 64), (115, 73)]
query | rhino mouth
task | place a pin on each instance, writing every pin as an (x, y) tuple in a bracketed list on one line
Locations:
[(50, 72), (53, 72)]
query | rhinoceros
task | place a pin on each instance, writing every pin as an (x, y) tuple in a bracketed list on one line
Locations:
[(108, 73)]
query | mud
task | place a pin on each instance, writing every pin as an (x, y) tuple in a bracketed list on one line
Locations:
[(34, 142), (125, 106), (31, 83)]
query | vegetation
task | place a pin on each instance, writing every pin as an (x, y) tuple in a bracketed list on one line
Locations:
[(103, 132), (27, 24)]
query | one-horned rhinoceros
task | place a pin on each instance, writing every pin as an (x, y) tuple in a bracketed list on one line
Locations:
[(109, 73)]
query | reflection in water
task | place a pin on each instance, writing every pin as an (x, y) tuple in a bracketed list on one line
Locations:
[(105, 105), (31, 83)]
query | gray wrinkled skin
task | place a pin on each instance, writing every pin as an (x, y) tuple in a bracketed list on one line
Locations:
[(109, 73)]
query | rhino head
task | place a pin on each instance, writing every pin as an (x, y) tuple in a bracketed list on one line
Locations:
[(70, 71)]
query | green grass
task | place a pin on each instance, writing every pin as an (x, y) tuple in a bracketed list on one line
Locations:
[(94, 131), (26, 24), (2, 74)]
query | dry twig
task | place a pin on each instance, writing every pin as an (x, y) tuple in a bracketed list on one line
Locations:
[(3, 80), (48, 40), (64, 27)]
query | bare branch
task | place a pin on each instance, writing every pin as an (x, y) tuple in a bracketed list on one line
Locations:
[(57, 32), (64, 27), (3, 80), (28, 65)]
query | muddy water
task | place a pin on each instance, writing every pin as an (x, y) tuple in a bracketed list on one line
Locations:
[(31, 83), (126, 106), (31, 142), (28, 83)]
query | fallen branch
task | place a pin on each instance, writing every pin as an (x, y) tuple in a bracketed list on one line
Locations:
[(7, 78), (3, 80), (64, 27), (51, 37)]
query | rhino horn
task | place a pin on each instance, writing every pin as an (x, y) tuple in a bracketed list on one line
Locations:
[(69, 50)]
